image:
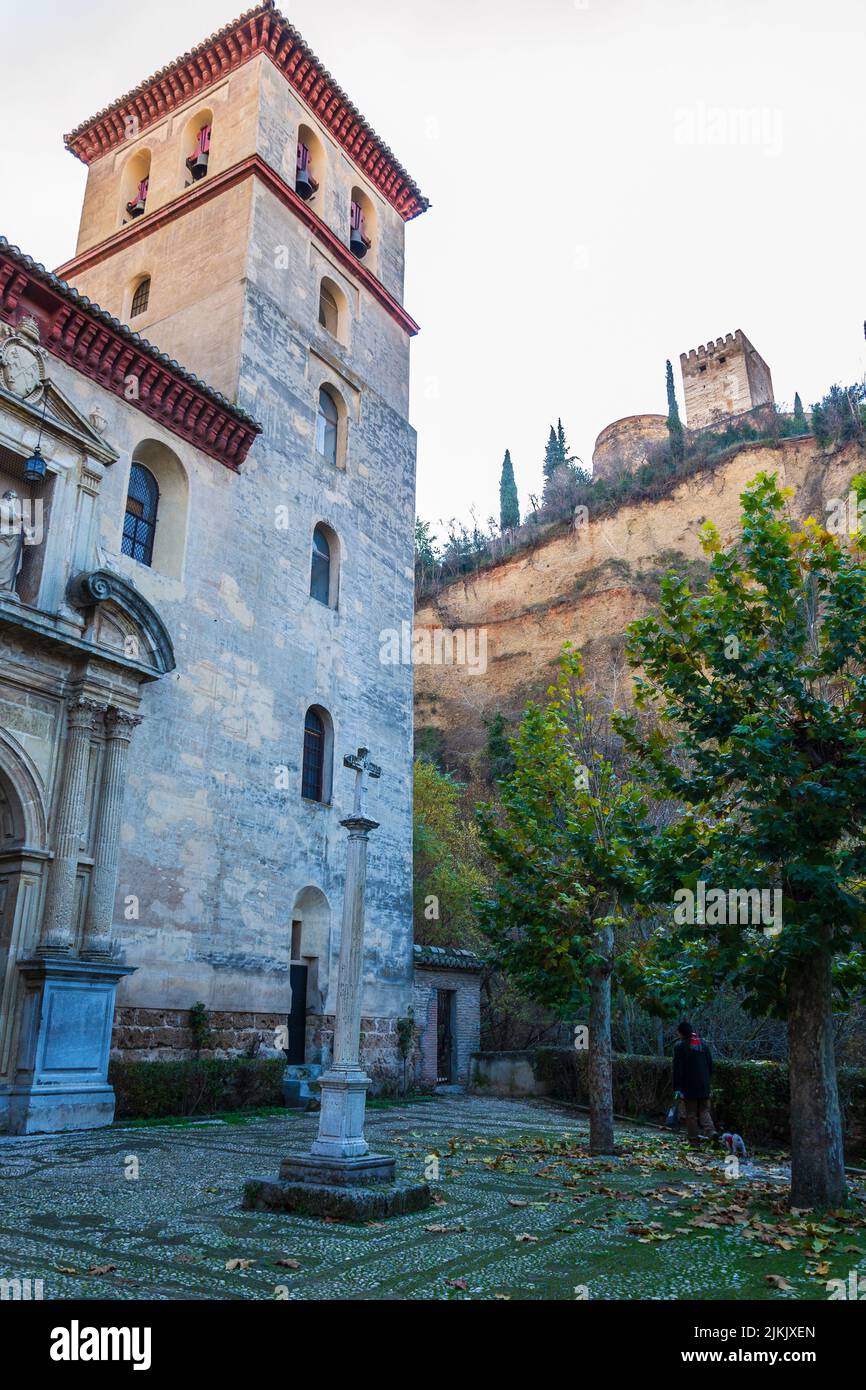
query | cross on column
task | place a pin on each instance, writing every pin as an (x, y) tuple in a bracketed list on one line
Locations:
[(362, 767)]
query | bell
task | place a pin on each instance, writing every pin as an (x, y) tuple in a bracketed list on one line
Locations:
[(34, 468), (357, 243), (197, 165), (304, 185), (136, 209)]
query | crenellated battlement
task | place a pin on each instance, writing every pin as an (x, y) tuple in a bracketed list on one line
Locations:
[(709, 349)]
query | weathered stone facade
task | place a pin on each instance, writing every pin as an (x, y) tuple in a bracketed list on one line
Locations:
[(225, 873)]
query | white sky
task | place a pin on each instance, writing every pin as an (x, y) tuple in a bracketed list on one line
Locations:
[(613, 181)]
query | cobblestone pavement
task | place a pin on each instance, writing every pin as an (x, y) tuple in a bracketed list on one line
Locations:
[(524, 1213)]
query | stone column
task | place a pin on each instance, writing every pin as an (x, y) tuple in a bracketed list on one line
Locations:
[(344, 1087), (57, 936), (119, 728)]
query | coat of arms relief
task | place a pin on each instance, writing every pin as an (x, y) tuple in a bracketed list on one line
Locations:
[(22, 362)]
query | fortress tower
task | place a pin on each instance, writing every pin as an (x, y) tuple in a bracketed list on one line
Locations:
[(724, 378)]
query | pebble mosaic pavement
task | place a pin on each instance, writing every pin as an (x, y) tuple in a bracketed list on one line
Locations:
[(527, 1215)]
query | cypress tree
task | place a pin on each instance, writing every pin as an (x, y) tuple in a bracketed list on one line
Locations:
[(552, 454), (675, 428), (509, 503), (799, 412)]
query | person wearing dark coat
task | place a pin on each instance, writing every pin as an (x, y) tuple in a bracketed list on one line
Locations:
[(693, 1070)]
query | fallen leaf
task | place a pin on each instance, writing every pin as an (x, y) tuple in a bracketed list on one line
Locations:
[(102, 1269), (458, 1284), (778, 1282), (526, 1239), (441, 1230), (232, 1265), (287, 1264), (517, 1202)]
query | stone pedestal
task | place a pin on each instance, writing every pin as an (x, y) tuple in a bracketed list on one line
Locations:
[(61, 1081)]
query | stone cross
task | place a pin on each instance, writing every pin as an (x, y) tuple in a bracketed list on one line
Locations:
[(361, 765), (341, 1139)]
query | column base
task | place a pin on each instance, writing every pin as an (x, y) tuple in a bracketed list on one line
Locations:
[(339, 1172), (343, 1096)]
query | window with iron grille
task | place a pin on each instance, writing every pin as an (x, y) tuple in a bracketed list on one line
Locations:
[(320, 570), (139, 523), (141, 298), (312, 781), (326, 426)]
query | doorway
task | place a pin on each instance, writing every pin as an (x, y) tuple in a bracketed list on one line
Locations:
[(445, 1002)]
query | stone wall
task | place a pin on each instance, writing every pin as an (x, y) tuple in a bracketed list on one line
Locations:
[(467, 1021), (625, 446)]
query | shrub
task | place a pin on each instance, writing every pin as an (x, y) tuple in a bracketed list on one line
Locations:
[(750, 1098), (153, 1090)]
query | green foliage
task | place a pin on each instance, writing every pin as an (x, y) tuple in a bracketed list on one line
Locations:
[(799, 412), (430, 745), (449, 868), (840, 416), (757, 697), (675, 428), (149, 1090), (509, 503), (199, 1026), (500, 758), (750, 1098), (407, 1030), (563, 844), (425, 549)]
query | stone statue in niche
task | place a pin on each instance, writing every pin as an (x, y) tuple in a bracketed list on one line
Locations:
[(14, 535)]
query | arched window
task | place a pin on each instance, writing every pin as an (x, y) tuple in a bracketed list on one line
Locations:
[(325, 566), (329, 313), (134, 184), (327, 423), (140, 298), (310, 165), (313, 779), (197, 162), (139, 523), (196, 147), (333, 310), (167, 490), (362, 226)]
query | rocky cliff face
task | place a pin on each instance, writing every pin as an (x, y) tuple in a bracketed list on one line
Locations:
[(585, 584)]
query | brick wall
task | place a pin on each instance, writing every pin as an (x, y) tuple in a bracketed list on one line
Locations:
[(467, 1020)]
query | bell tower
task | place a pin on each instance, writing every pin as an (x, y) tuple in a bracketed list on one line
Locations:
[(243, 217), (239, 157)]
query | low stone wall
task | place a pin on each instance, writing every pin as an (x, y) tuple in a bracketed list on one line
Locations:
[(163, 1035), (507, 1074)]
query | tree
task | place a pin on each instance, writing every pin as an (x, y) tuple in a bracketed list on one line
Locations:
[(799, 412), (509, 503), (675, 428), (759, 686), (564, 843), (554, 455), (448, 862), (425, 550)]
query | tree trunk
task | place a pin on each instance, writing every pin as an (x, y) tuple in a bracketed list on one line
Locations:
[(817, 1158), (601, 1140)]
